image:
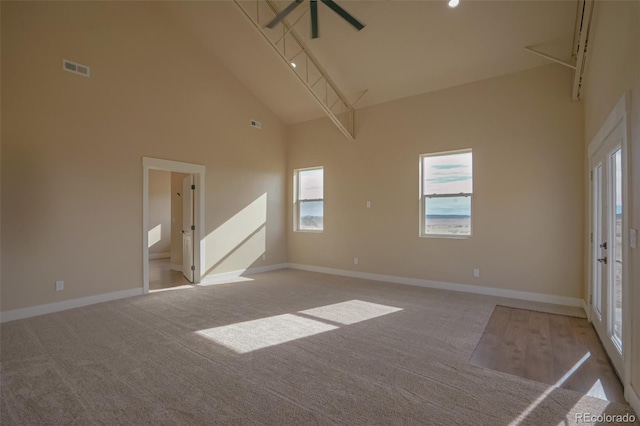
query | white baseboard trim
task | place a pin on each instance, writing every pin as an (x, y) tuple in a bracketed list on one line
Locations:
[(633, 399), (49, 308), (153, 256), (441, 285), (175, 267), (229, 276), (587, 311)]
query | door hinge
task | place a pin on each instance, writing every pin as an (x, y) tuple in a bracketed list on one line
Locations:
[(193, 187), (591, 299), (591, 237), (193, 267), (193, 227), (591, 175)]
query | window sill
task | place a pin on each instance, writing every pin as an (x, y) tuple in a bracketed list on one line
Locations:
[(445, 236)]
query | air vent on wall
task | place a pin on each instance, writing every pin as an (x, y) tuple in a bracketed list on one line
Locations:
[(75, 68), (256, 124)]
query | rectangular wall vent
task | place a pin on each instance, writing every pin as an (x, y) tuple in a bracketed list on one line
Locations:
[(75, 68), (256, 124)]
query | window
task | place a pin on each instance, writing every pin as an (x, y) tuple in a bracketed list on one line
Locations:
[(308, 197), (446, 189)]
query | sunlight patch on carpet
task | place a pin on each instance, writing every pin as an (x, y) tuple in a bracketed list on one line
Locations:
[(597, 391), (178, 287), (249, 336), (262, 333), (350, 312)]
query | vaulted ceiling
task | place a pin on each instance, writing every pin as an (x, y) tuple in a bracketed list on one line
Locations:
[(406, 48)]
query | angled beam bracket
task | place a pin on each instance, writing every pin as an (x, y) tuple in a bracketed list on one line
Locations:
[(580, 47), (288, 45), (549, 57)]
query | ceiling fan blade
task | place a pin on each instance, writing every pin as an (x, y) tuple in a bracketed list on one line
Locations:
[(280, 16), (314, 18), (344, 14)]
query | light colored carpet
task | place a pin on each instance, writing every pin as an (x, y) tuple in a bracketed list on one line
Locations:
[(287, 347)]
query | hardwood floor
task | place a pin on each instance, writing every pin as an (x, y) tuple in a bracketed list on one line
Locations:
[(554, 349), (161, 276)]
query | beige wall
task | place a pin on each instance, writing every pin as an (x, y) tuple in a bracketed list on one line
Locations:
[(0, 156), (612, 63), (77, 144), (527, 141), (612, 69), (159, 212), (176, 218)]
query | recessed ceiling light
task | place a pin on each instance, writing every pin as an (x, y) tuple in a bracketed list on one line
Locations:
[(454, 3), (293, 64)]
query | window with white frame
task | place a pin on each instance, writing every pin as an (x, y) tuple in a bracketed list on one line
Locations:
[(308, 197), (446, 190)]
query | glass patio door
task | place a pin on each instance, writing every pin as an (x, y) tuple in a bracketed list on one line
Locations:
[(606, 248)]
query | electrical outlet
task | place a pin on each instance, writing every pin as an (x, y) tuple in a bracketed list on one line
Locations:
[(476, 272), (355, 260), (59, 285), (368, 204)]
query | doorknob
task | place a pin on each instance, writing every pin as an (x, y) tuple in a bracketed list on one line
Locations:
[(603, 245), (603, 260)]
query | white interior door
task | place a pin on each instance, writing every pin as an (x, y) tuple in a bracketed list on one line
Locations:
[(187, 227), (607, 245)]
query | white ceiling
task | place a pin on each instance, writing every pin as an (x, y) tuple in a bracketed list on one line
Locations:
[(406, 47)]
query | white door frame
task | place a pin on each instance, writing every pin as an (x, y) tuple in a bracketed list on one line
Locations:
[(198, 172), (619, 116)]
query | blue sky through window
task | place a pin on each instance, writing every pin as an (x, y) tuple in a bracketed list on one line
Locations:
[(311, 184), (311, 208), (449, 206), (448, 174), (311, 188)]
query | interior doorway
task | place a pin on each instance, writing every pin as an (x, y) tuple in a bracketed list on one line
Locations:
[(170, 229), (173, 223)]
